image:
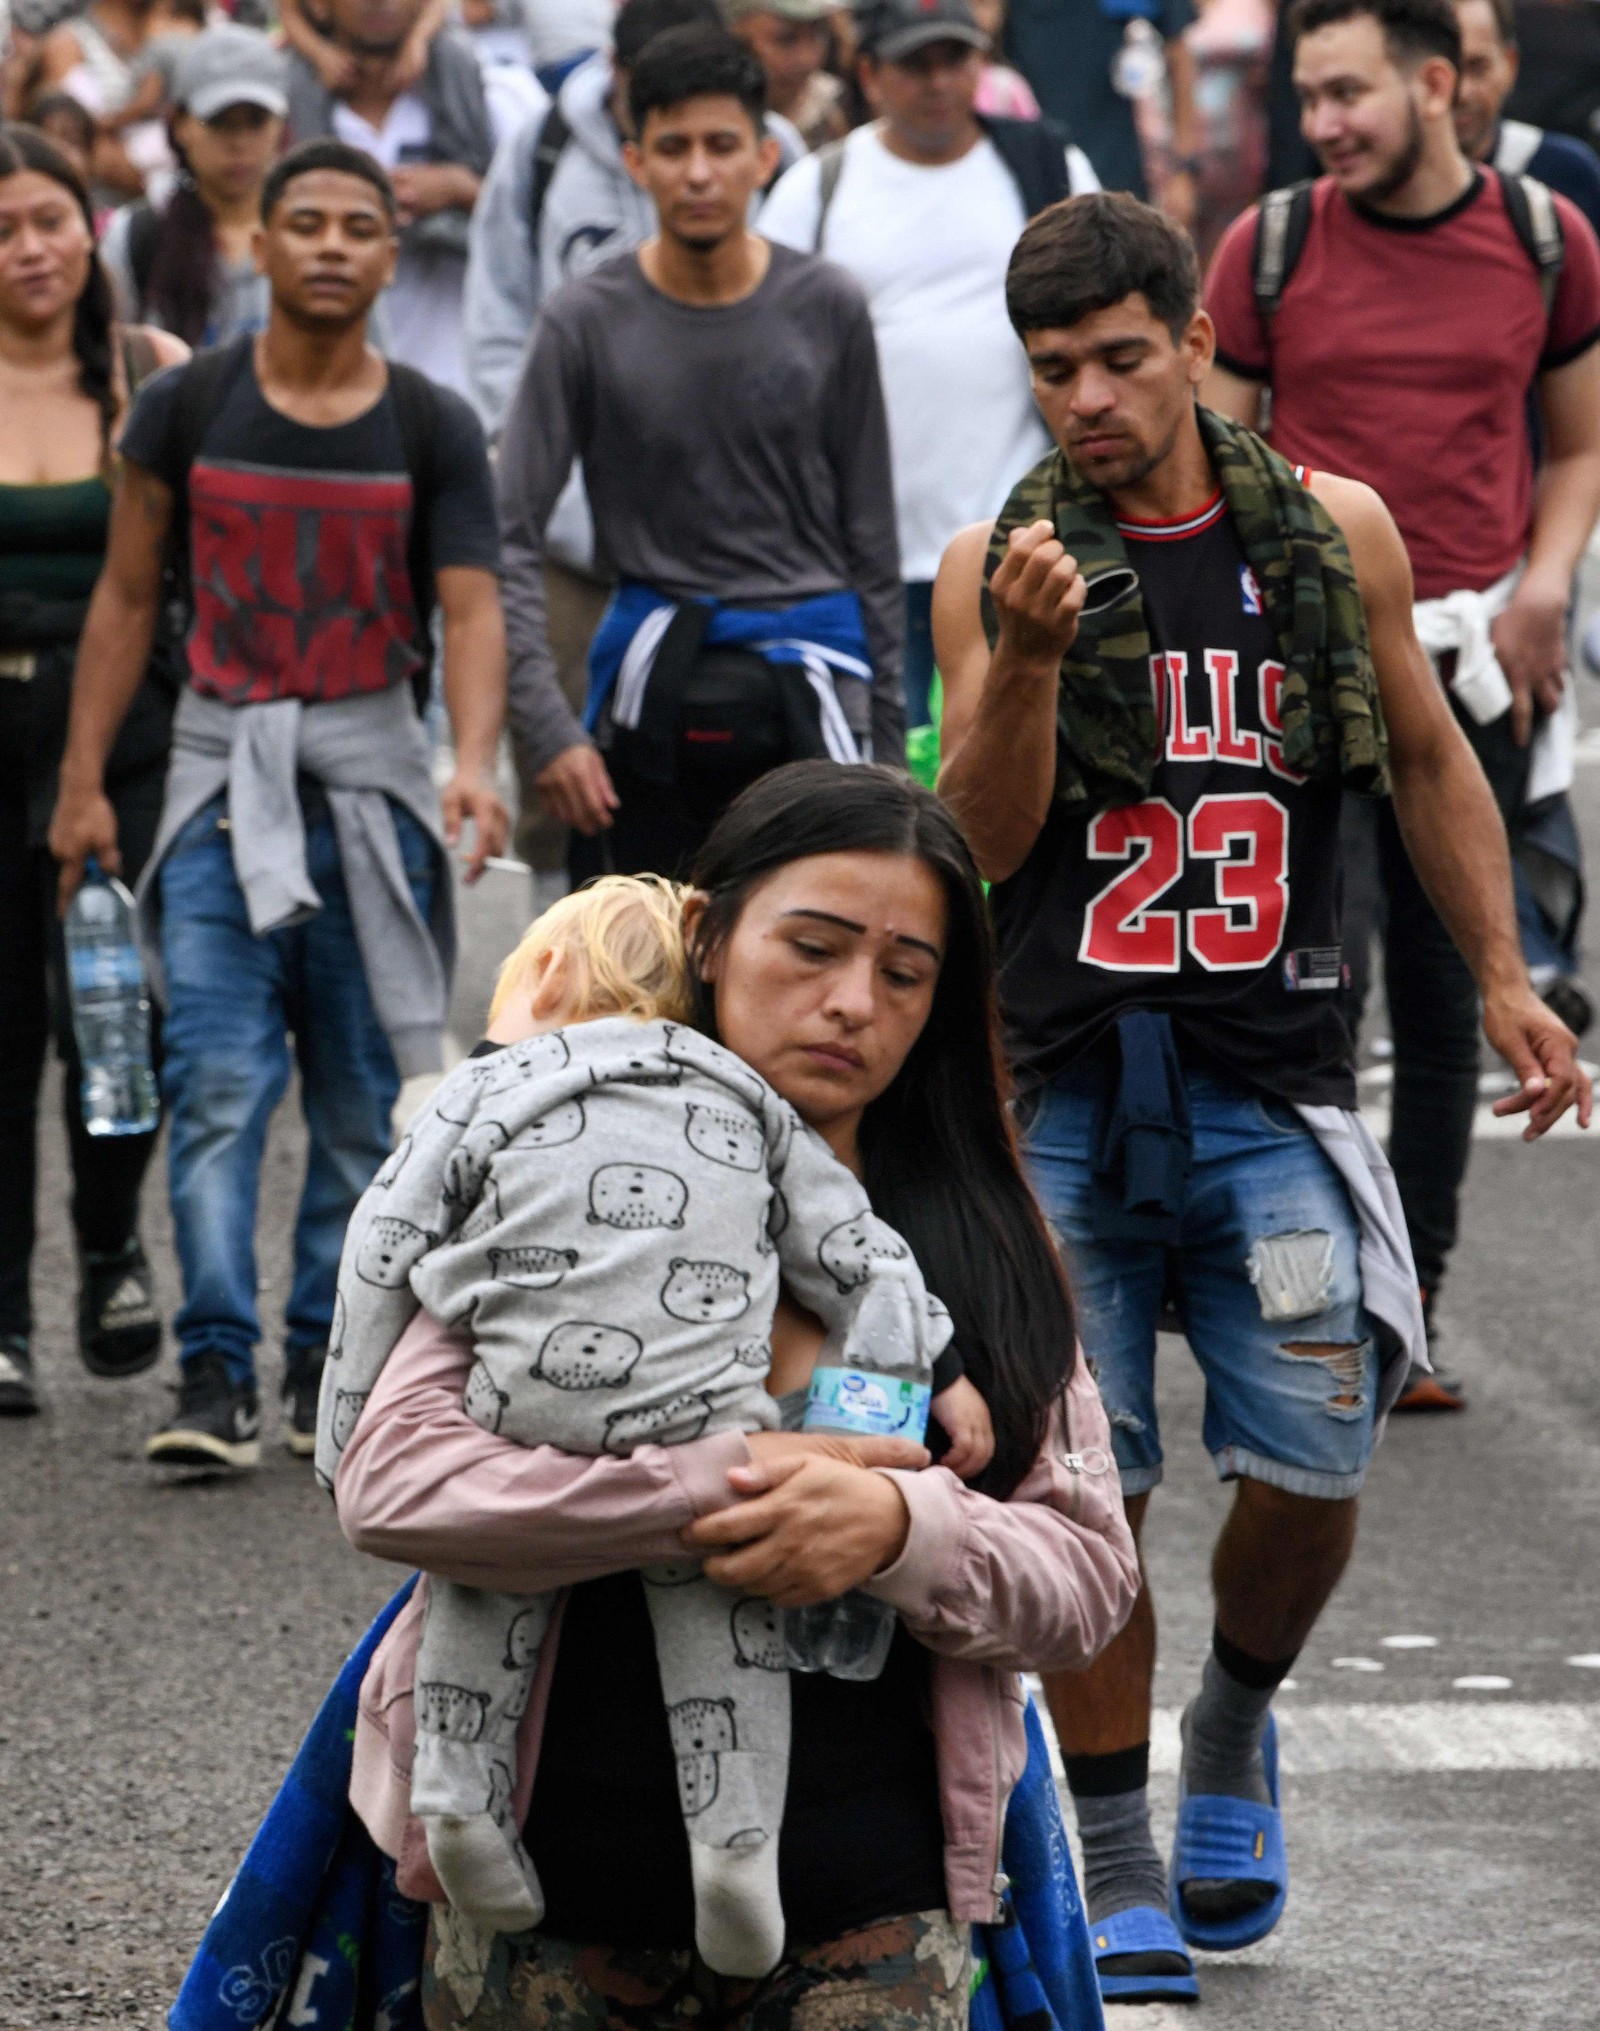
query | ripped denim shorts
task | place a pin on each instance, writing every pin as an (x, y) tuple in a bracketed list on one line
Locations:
[(1264, 1279)]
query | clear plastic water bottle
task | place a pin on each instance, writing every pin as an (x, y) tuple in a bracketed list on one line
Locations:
[(110, 1008), (850, 1637), (1139, 68)]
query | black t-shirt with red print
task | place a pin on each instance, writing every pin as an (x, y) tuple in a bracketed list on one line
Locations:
[(1215, 899), (299, 537)]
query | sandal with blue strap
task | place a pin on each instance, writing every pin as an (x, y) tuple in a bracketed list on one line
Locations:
[(1142, 1933), (1231, 1840)]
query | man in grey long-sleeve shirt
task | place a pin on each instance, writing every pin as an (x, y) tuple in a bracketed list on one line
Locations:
[(723, 396)]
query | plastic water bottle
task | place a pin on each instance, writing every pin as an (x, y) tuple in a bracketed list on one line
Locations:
[(850, 1637), (110, 1008), (1139, 68)]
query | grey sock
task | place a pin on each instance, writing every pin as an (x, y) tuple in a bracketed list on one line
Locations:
[(1120, 1865), (1222, 1733)]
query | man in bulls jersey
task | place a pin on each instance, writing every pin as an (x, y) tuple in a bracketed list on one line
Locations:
[(1171, 963), (323, 499)]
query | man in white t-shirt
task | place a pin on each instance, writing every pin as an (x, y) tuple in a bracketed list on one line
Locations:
[(923, 207)]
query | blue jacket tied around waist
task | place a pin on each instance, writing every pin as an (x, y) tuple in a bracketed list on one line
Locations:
[(822, 637)]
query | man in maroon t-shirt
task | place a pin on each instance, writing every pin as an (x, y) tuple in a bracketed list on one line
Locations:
[(1402, 351)]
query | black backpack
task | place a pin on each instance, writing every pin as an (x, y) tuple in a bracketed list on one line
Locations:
[(1034, 151), (207, 379), (1285, 219)]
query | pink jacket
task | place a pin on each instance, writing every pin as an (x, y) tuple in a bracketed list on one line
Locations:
[(1043, 1581)]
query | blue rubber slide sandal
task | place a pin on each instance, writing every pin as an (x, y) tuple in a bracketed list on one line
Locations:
[(1231, 1840), (1142, 1929)]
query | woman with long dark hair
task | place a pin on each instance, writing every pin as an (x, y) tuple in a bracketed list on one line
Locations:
[(186, 265), (842, 948), (67, 374)]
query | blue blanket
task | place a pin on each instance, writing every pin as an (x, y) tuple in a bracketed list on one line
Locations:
[(313, 1913)]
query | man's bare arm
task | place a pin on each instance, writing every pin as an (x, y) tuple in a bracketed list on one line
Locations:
[(475, 698), (1449, 820), (112, 654), (998, 732), (1232, 395), (1530, 637)]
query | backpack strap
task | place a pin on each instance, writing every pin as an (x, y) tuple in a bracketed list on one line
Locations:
[(1533, 215), (830, 167), (140, 360), (1035, 154), (554, 134), (416, 404), (1282, 223), (200, 394), (144, 232)]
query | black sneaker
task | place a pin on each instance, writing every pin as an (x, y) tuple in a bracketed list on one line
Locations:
[(1570, 1000), (217, 1422), (119, 1329), (18, 1397), (302, 1384)]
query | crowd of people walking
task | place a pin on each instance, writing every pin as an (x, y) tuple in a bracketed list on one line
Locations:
[(710, 401)]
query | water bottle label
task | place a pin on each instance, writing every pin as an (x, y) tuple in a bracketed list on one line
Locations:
[(97, 969), (877, 1406)]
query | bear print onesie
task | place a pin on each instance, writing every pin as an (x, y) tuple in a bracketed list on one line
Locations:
[(608, 1210)]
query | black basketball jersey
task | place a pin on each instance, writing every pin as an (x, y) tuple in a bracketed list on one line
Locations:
[(1216, 900)]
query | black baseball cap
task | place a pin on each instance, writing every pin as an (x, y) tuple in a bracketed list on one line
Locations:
[(891, 29)]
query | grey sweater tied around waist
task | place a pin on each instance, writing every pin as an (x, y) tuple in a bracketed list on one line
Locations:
[(364, 750)]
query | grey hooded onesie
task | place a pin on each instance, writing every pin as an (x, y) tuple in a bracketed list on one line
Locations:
[(608, 1210)]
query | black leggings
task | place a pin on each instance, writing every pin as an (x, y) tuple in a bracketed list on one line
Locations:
[(107, 1171), (1433, 1003)]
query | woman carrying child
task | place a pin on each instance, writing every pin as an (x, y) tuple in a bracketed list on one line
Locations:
[(840, 947)]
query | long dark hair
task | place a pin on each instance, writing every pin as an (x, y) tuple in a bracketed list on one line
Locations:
[(182, 283), (93, 323), (940, 1156)]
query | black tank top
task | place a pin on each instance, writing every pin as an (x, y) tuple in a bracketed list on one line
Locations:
[(1214, 901)]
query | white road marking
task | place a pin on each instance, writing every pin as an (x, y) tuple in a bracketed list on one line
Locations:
[(1489, 1127), (1149, 2017), (1481, 1681), (1376, 1081), (1589, 1661), (1409, 1642), (1356, 1664), (1419, 1737)]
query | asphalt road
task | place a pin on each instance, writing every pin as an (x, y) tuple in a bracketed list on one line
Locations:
[(163, 1647)]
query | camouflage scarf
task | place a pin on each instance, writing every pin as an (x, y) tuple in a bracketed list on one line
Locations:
[(1108, 740)]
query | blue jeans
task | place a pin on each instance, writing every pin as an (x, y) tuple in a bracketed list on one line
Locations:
[(1265, 1278), (917, 670), (233, 1000)]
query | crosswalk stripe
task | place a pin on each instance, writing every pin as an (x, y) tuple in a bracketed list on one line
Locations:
[(1490, 1127), (1376, 1082), (1434, 1737)]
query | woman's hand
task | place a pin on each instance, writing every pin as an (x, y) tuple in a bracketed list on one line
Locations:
[(816, 1520)]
